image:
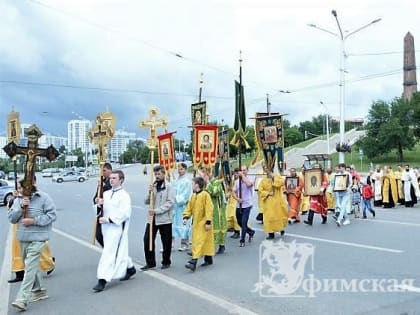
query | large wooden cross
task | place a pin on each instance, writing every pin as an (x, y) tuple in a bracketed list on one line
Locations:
[(153, 123), (31, 152), (101, 133)]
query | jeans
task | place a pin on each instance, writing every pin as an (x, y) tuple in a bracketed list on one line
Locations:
[(32, 281), (367, 204), (242, 216)]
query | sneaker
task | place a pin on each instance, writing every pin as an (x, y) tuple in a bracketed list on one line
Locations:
[(183, 248), (346, 222), (39, 295), (21, 305)]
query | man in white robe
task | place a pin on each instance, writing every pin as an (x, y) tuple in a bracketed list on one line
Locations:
[(376, 178), (115, 262), (410, 186)]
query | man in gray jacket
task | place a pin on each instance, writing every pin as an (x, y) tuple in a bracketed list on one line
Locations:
[(163, 201), (34, 226)]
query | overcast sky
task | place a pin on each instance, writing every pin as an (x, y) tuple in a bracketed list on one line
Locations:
[(126, 53)]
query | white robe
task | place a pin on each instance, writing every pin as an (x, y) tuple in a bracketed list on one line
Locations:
[(410, 179), (114, 260), (377, 188)]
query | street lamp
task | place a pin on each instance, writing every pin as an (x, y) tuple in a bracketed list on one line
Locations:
[(343, 57), (327, 118)]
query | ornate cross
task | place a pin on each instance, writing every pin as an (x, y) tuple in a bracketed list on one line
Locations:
[(31, 152), (102, 133), (153, 123)]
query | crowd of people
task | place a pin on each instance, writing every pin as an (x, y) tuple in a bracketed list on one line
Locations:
[(199, 214)]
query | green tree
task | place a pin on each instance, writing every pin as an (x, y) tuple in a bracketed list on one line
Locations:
[(292, 136), (389, 128)]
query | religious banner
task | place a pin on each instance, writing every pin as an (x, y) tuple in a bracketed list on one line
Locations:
[(221, 167), (198, 113), (269, 135), (258, 155), (166, 151), (205, 145), (13, 127)]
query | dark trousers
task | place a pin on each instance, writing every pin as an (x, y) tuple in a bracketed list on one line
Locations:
[(242, 216), (165, 231)]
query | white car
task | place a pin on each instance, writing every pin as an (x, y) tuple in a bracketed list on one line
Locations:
[(70, 176), (49, 172)]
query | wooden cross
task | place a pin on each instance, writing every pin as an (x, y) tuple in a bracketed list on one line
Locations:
[(31, 152), (153, 123), (102, 133)]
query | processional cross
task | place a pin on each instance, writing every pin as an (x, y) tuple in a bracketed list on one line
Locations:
[(31, 152), (102, 133), (152, 123)]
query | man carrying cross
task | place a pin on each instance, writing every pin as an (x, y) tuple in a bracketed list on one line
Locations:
[(34, 213)]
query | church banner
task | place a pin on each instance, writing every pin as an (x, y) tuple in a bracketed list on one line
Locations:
[(205, 145), (269, 135), (221, 167), (166, 151), (198, 114)]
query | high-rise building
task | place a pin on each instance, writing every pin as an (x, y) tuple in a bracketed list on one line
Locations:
[(410, 80), (118, 144), (48, 139), (77, 135)]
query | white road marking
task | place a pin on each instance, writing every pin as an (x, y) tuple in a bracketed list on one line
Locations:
[(222, 303), (394, 222), (5, 273), (384, 249)]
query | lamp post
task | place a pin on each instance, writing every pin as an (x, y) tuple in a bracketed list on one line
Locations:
[(327, 118), (343, 57)]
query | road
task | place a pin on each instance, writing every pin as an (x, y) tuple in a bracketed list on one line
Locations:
[(383, 248)]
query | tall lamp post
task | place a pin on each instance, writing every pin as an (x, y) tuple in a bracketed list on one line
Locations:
[(343, 57), (327, 118)]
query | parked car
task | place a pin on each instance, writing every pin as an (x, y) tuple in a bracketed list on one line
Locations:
[(49, 172), (6, 191), (2, 175), (70, 176), (11, 176)]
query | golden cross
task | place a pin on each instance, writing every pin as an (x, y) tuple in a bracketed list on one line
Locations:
[(102, 132), (153, 123)]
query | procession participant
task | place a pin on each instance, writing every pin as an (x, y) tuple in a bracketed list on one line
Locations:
[(329, 193), (389, 188), (376, 178), (182, 187), (274, 204), (200, 209), (115, 263), (304, 202), (106, 185), (318, 203), (231, 221), (46, 261), (342, 198), (400, 189), (242, 192), (216, 191), (163, 201), (367, 195), (260, 216), (410, 186), (294, 195), (34, 214)]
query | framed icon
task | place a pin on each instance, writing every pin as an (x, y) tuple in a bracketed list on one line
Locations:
[(291, 184), (313, 181), (205, 141), (340, 182)]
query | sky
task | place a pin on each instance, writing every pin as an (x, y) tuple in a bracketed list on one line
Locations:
[(63, 60)]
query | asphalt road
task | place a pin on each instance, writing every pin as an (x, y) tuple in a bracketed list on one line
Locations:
[(347, 261)]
